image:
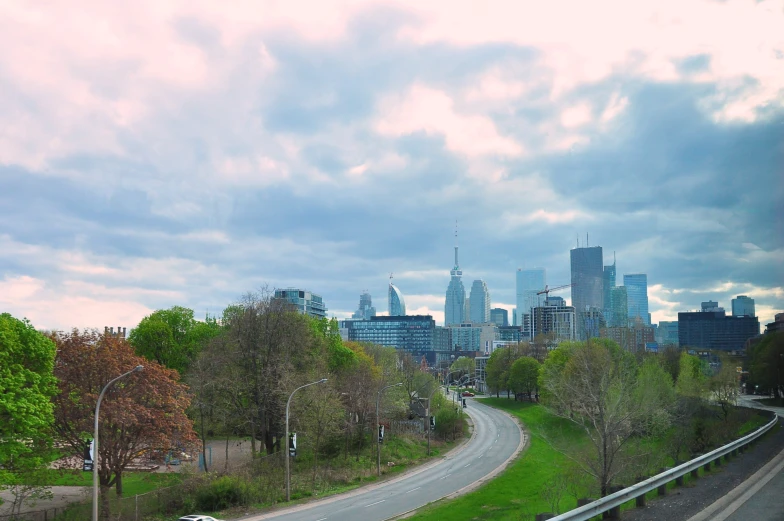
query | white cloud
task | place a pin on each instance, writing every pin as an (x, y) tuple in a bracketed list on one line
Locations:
[(424, 109)]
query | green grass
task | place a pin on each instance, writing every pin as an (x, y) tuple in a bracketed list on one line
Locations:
[(133, 482), (517, 492)]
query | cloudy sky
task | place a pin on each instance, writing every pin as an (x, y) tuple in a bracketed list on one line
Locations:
[(158, 153)]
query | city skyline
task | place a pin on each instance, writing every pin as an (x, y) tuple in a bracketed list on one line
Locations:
[(185, 154)]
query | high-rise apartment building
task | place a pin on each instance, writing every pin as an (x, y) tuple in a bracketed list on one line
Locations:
[(743, 306), (366, 309), (554, 321), (396, 302), (307, 303), (637, 297), (528, 283), (454, 306), (479, 303), (499, 316)]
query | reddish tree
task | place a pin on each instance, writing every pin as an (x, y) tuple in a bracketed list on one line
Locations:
[(142, 412)]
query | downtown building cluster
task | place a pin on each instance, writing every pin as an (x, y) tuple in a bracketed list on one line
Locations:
[(599, 308)]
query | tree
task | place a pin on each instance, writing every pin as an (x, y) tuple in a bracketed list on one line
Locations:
[(266, 350), (596, 386), (767, 363), (724, 386), (524, 375), (172, 337), (140, 413), (27, 384), (464, 366)]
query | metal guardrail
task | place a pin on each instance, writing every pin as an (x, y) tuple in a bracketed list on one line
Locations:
[(598, 507)]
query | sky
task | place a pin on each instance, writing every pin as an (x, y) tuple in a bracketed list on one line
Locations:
[(187, 152)]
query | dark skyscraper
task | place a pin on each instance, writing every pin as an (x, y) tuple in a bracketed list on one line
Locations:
[(588, 278), (588, 289)]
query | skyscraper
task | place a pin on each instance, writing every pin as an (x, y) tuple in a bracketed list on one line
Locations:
[(587, 289), (637, 297), (479, 302), (743, 306), (608, 282), (588, 278), (306, 302), (366, 309), (619, 315), (454, 307), (397, 304), (529, 282)]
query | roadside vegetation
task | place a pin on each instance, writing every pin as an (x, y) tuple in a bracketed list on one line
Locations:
[(226, 377)]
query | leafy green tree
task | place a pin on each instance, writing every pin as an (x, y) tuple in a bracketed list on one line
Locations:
[(692, 380), (766, 365), (524, 375), (172, 337), (464, 365), (27, 384)]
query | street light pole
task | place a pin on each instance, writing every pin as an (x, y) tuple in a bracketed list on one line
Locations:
[(95, 438), (378, 441), (286, 440)]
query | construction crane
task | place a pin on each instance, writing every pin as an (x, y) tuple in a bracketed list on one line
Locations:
[(546, 291)]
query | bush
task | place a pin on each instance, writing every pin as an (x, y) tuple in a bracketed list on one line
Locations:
[(222, 493)]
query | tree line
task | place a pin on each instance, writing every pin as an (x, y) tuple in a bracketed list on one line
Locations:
[(227, 376)]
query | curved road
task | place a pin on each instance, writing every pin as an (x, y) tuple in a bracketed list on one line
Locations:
[(496, 438)]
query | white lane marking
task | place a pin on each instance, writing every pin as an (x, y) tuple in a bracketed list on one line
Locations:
[(322, 519), (413, 489), (439, 479), (467, 465), (376, 503)]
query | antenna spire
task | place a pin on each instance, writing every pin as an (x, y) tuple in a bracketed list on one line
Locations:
[(456, 263)]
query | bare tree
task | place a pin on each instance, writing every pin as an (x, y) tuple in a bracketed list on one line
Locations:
[(595, 386)]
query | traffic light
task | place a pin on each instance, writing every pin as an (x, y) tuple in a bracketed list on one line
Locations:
[(380, 433), (432, 423), (293, 444)]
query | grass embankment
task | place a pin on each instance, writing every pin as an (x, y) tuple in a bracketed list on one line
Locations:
[(519, 491), (528, 486)]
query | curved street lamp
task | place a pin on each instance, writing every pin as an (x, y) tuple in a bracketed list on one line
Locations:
[(286, 439), (95, 438), (378, 441)]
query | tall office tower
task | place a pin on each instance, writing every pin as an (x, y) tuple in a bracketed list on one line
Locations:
[(637, 297), (619, 317), (743, 306), (588, 288), (588, 278), (608, 283), (529, 282), (366, 309), (454, 307), (397, 304), (479, 302), (500, 317)]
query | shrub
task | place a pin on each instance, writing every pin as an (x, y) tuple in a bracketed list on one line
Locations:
[(222, 493)]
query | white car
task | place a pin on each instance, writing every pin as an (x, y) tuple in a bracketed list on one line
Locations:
[(197, 517)]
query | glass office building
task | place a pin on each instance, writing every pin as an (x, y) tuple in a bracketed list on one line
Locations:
[(306, 302), (637, 298)]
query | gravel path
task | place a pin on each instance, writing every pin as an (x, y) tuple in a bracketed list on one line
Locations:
[(683, 502)]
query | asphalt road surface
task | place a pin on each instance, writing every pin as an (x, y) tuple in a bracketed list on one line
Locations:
[(496, 438)]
